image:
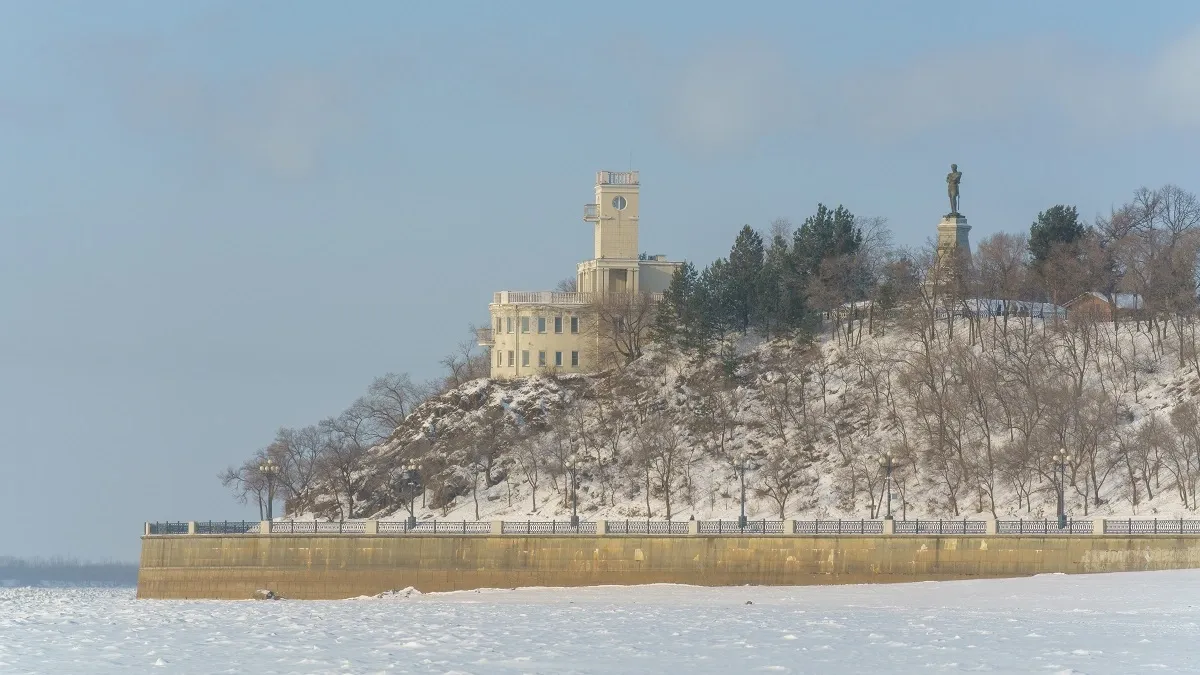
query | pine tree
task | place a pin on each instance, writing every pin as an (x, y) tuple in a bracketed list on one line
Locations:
[(708, 312), (672, 314), (744, 277), (1056, 226), (771, 308), (824, 235)]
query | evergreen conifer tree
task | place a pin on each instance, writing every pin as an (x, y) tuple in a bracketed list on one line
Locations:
[(826, 234), (672, 314), (743, 278), (1056, 226)]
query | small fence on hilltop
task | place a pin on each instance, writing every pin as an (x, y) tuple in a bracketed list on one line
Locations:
[(862, 527)]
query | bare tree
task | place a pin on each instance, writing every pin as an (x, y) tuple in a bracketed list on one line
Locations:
[(1000, 264), (492, 435), (1183, 451), (299, 453), (347, 439), (389, 400), (247, 482), (716, 413), (620, 325), (532, 454), (608, 427), (465, 364), (780, 477), (660, 450)]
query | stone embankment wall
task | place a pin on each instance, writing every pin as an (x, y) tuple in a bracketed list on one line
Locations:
[(342, 566)]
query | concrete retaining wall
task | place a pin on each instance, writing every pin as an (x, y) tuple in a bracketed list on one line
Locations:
[(341, 566)]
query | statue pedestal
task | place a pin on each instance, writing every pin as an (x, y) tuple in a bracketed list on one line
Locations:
[(953, 252), (952, 233)]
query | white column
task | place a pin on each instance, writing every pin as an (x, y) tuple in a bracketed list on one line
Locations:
[(264, 527), (191, 527), (601, 528), (693, 527), (991, 526), (1098, 526), (889, 527), (497, 527), (371, 527)]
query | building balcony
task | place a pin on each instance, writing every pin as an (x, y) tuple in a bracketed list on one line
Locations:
[(616, 178), (485, 337), (540, 298), (553, 298), (591, 212)]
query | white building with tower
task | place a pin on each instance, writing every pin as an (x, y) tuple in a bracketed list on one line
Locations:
[(549, 331)]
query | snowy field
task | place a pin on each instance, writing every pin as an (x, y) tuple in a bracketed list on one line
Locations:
[(1141, 622)]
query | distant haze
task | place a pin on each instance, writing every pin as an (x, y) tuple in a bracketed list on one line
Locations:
[(219, 218)]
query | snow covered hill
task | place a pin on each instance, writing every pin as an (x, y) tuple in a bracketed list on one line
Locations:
[(972, 411)]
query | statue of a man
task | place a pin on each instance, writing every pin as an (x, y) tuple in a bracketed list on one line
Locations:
[(952, 180)]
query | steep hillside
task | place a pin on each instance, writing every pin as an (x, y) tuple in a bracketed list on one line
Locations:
[(971, 410)]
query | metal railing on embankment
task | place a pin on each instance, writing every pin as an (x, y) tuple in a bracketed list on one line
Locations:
[(1109, 526)]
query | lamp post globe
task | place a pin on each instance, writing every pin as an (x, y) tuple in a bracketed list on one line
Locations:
[(1061, 459), (409, 482), (887, 462), (268, 468), (742, 478), (572, 460)]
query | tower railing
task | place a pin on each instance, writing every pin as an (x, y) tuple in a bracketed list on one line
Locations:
[(616, 178)]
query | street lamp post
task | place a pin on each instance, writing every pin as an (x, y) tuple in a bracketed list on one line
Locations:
[(1062, 458), (269, 468), (742, 476), (410, 480), (886, 462), (574, 459)]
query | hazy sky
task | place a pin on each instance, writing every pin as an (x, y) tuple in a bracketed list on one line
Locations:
[(223, 217)]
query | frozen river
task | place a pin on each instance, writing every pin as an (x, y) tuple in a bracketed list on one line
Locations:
[(1137, 622)]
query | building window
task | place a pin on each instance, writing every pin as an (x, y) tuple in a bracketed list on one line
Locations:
[(541, 324), (558, 359), (558, 324), (499, 358), (618, 324), (524, 324), (541, 359), (574, 324), (510, 324), (511, 361), (575, 359), (498, 326), (525, 358)]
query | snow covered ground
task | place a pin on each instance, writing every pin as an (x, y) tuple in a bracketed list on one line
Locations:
[(861, 401), (1139, 622)]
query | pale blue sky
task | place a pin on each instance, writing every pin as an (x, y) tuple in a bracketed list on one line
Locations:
[(223, 217)]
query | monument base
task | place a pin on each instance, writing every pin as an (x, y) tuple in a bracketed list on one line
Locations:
[(953, 252), (952, 232)]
